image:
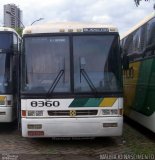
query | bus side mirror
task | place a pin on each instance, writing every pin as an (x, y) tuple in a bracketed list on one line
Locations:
[(82, 62), (125, 62)]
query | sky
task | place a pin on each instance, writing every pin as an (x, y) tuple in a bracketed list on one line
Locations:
[(122, 13)]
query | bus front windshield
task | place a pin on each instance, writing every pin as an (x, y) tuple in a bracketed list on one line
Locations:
[(5, 62), (82, 64)]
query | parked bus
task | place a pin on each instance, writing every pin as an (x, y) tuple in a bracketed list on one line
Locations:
[(9, 51), (71, 82), (139, 72)]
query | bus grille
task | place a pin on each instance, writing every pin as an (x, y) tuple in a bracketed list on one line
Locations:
[(76, 113)]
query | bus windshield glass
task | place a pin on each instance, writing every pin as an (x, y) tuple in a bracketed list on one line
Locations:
[(45, 58), (5, 61), (81, 64), (5, 41), (96, 63)]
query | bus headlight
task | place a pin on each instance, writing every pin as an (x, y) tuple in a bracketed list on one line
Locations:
[(114, 111), (35, 113), (110, 111), (31, 113), (9, 102), (106, 111), (39, 113)]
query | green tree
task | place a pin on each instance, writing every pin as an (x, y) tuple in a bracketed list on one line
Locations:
[(19, 31), (138, 2)]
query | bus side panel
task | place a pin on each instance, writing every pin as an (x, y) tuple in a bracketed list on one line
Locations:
[(150, 98), (130, 83), (144, 89), (139, 93), (139, 89)]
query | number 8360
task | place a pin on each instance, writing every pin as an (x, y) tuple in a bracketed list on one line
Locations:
[(45, 103)]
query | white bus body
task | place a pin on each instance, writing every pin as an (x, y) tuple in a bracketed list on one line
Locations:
[(48, 112), (70, 125), (7, 110), (9, 49)]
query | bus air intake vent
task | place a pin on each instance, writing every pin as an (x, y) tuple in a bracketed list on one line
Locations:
[(77, 112)]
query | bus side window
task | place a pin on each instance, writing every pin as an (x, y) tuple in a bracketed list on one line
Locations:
[(136, 41), (151, 38), (128, 44), (150, 47), (143, 37), (15, 44), (125, 61)]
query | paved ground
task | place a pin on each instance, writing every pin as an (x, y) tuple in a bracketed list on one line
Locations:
[(136, 141)]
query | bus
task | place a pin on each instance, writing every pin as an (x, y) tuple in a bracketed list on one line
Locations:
[(139, 72), (71, 81), (9, 57)]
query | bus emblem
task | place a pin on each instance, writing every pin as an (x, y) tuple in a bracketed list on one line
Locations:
[(72, 113)]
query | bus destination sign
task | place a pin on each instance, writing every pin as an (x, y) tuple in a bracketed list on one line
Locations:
[(95, 29)]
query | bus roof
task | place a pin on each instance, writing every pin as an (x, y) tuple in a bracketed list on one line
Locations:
[(142, 22), (7, 29), (60, 27)]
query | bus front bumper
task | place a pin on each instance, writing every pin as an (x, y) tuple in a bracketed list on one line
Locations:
[(7, 114), (72, 127)]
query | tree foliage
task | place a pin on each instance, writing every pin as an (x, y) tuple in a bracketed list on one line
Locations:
[(138, 2), (19, 31)]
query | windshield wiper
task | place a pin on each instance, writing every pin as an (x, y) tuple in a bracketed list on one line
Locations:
[(56, 80), (88, 80), (85, 75), (58, 77)]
